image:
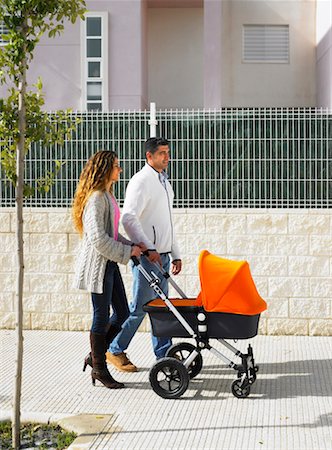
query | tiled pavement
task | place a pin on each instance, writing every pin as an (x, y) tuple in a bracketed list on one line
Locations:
[(290, 406)]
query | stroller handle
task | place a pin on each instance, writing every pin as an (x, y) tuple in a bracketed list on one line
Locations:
[(135, 260), (165, 274), (170, 280)]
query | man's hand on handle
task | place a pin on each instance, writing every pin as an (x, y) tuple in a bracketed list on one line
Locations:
[(176, 266), (154, 257)]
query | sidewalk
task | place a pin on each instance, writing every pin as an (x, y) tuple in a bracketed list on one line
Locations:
[(289, 408)]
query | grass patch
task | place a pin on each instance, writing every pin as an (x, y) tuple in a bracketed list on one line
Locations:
[(39, 436)]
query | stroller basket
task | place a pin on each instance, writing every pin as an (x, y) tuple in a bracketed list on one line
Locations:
[(219, 325)]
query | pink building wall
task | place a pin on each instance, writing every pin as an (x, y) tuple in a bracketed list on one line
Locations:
[(127, 53), (58, 61), (213, 66), (324, 53)]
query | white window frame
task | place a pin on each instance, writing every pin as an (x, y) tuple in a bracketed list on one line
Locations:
[(264, 61), (103, 61)]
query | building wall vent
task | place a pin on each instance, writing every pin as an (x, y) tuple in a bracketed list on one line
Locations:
[(265, 43)]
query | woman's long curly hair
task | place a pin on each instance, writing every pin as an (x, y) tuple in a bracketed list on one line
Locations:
[(94, 177)]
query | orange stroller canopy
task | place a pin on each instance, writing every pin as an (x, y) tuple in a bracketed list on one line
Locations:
[(227, 286)]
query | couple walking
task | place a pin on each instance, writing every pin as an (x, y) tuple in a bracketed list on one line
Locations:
[(147, 220)]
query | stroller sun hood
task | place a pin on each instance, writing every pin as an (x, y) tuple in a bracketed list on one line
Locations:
[(227, 286)]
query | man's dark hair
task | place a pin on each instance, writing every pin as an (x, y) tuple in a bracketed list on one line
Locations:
[(152, 144)]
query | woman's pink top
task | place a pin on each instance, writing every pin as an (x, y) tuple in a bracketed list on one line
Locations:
[(116, 217)]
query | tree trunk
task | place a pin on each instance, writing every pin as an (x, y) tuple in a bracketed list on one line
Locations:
[(20, 150)]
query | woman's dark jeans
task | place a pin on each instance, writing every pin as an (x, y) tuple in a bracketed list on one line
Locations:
[(114, 295)]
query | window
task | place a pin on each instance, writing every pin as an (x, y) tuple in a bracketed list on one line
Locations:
[(3, 31), (265, 43), (95, 62)]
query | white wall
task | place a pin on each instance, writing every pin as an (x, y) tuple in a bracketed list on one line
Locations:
[(175, 57), (289, 252)]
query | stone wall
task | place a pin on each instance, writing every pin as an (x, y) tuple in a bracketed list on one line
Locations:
[(289, 252)]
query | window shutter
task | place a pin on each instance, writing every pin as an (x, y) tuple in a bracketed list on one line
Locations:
[(266, 43)]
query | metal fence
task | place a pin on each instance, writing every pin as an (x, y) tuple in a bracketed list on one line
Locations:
[(233, 157)]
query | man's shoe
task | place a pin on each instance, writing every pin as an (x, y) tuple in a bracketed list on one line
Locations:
[(121, 362)]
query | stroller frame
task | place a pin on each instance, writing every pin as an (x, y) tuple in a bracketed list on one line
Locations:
[(169, 376)]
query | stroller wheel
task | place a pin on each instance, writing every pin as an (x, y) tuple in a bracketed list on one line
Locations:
[(240, 389), (181, 352), (169, 378), (252, 375)]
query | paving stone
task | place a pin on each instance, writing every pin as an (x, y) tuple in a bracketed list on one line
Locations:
[(289, 406)]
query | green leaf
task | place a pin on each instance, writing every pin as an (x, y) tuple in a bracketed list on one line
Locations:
[(28, 190)]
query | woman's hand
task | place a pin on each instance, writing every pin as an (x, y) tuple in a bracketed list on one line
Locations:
[(136, 251), (142, 246)]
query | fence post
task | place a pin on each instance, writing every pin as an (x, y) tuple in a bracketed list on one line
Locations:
[(153, 122)]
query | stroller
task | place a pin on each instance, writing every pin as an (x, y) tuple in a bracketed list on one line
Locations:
[(228, 307)]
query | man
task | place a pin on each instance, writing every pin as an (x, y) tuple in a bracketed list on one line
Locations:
[(147, 218)]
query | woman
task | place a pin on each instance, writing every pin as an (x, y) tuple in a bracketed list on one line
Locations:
[(96, 217)]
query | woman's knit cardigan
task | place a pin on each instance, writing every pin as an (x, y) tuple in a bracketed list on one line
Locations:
[(98, 245)]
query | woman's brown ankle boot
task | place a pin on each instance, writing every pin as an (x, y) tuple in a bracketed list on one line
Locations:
[(112, 331), (99, 368)]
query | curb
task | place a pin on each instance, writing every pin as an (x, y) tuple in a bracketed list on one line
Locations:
[(32, 416), (88, 427)]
